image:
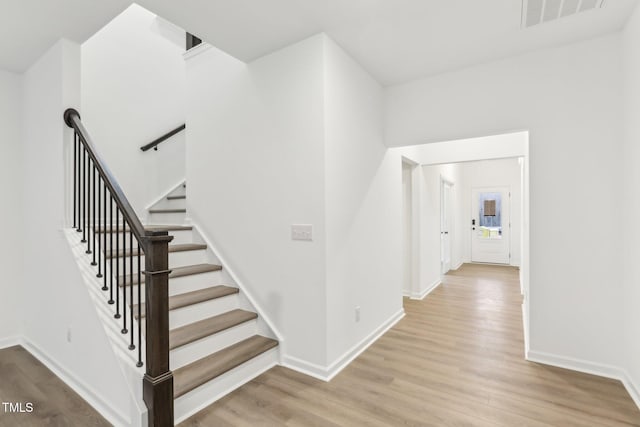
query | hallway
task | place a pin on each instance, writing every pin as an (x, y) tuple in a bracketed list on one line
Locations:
[(455, 359)]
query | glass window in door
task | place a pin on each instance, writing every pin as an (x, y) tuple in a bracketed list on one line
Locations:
[(490, 216)]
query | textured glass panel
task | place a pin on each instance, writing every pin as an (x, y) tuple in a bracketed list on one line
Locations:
[(490, 216)]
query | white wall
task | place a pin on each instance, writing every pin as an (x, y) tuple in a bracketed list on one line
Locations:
[(569, 98), (430, 256), (407, 229), (56, 300), (133, 91), (11, 164), (493, 173), (500, 146), (255, 165), (630, 201), (296, 137), (363, 208)]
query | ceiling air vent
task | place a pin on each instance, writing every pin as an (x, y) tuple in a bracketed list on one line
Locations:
[(536, 12)]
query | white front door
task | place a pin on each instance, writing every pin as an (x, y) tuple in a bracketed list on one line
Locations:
[(446, 228), (490, 225)]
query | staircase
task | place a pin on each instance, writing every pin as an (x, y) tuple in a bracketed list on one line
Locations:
[(213, 336), (213, 332), (196, 333)]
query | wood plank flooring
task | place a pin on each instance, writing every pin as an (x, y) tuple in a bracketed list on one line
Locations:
[(456, 359), (24, 379)]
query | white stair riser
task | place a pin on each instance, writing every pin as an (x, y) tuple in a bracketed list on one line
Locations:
[(171, 204), (176, 259), (196, 350), (181, 285), (166, 218), (195, 312), (201, 397), (180, 190)]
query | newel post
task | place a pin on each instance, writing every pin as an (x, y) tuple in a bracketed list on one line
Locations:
[(158, 379)]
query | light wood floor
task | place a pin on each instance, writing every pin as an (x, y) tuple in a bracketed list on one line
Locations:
[(456, 359), (24, 379)]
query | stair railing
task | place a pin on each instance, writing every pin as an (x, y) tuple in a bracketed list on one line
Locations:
[(154, 144), (116, 240)]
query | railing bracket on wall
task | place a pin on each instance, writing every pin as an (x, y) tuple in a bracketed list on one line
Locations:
[(154, 144)]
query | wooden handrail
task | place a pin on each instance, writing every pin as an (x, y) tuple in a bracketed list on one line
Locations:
[(158, 378), (72, 119), (154, 144)]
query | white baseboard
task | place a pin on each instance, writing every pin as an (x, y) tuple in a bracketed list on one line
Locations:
[(525, 329), (422, 295), (10, 342), (304, 367), (632, 388), (579, 365), (458, 265), (360, 347), (85, 391), (328, 372), (406, 293), (599, 369)]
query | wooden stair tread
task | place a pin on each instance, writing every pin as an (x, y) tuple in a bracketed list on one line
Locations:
[(155, 211), (203, 328), (176, 272), (194, 297), (201, 371), (156, 227), (188, 270), (184, 247), (179, 197), (102, 229)]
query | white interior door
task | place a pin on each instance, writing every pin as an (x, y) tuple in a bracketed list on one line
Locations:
[(446, 223), (490, 225)]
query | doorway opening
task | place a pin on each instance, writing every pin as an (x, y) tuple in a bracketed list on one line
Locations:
[(470, 204)]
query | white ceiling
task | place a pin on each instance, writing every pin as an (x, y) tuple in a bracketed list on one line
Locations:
[(29, 27), (396, 40)]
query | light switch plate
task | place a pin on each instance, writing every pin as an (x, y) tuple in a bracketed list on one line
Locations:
[(301, 232)]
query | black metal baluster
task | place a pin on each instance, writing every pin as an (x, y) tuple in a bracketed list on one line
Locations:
[(131, 346), (75, 178), (93, 229), (80, 188), (77, 207), (117, 315), (139, 364), (88, 224), (98, 227), (111, 251), (84, 196), (104, 235), (125, 280)]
